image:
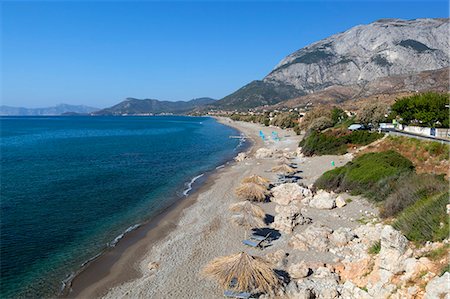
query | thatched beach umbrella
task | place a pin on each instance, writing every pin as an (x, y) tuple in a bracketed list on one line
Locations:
[(250, 215), (257, 180), (252, 191), (283, 168), (284, 160), (243, 272)]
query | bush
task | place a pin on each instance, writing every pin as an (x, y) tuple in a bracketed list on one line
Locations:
[(373, 113), (411, 189), (425, 220), (372, 174), (335, 142)]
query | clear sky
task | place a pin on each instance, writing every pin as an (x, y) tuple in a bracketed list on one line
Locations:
[(98, 53)]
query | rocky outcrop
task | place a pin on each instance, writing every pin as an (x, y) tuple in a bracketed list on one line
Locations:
[(393, 248), (439, 287), (321, 284), (240, 157), (323, 200), (263, 153), (315, 237), (288, 217), (284, 194)]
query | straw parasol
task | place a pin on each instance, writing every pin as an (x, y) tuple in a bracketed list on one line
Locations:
[(257, 180), (250, 215), (248, 273), (283, 168), (284, 160), (252, 191)]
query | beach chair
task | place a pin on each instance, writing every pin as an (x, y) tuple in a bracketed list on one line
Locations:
[(257, 237), (238, 295), (256, 243)]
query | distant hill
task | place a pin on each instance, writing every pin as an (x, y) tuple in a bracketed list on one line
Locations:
[(55, 110), (132, 106), (356, 61)]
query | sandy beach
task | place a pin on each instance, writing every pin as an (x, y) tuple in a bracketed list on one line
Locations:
[(164, 260)]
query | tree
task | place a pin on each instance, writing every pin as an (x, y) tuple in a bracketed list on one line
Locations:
[(373, 113), (425, 109)]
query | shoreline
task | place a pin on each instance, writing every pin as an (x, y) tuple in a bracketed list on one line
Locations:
[(96, 276)]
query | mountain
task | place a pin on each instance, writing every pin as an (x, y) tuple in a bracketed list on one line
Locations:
[(356, 57), (55, 110), (132, 106)]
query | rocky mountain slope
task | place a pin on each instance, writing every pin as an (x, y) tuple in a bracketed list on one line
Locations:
[(56, 110), (132, 106), (356, 57)]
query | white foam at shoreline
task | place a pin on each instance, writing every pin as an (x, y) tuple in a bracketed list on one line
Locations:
[(189, 185), (117, 239)]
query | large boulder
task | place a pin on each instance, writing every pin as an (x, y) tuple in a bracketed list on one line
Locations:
[(322, 284), (300, 270), (438, 287), (240, 157), (341, 236), (393, 248), (263, 153), (350, 291), (315, 237), (323, 200), (340, 201), (288, 217), (284, 194)]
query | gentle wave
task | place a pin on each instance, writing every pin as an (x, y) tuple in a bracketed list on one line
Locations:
[(189, 185), (116, 240), (241, 142)]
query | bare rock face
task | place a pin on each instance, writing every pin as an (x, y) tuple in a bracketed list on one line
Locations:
[(284, 194), (315, 237), (439, 287), (351, 291), (364, 53), (341, 236), (393, 248), (323, 200), (288, 218), (322, 284)]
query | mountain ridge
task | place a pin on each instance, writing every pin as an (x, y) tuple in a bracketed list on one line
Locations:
[(59, 109)]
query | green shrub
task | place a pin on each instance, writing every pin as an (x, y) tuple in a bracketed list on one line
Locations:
[(425, 220), (325, 143), (410, 189), (375, 248), (372, 174)]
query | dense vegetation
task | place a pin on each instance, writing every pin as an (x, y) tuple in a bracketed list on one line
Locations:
[(426, 219), (417, 201), (372, 175), (335, 142), (426, 109), (284, 120)]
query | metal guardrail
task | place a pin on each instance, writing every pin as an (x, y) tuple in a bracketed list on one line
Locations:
[(417, 136)]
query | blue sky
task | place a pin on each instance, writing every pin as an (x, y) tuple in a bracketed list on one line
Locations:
[(98, 53)]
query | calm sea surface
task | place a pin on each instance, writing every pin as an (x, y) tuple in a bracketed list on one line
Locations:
[(71, 185)]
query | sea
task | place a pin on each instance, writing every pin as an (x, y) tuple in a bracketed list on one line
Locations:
[(72, 186)]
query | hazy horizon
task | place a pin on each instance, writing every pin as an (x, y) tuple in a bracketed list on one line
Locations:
[(99, 53)]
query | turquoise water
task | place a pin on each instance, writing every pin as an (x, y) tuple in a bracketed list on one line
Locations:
[(71, 185)]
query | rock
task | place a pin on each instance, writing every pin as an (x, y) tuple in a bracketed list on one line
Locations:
[(263, 153), (152, 266), (340, 201), (288, 218), (414, 267), (341, 236), (278, 258), (351, 291), (240, 157), (314, 237), (369, 233), (284, 194), (322, 284), (438, 287), (323, 200), (393, 246), (293, 292), (300, 270)]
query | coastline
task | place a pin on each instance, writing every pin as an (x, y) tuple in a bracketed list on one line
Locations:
[(114, 266)]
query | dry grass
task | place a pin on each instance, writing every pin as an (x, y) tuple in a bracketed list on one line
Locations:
[(252, 191), (427, 156), (256, 179), (250, 215), (248, 273), (283, 169)]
